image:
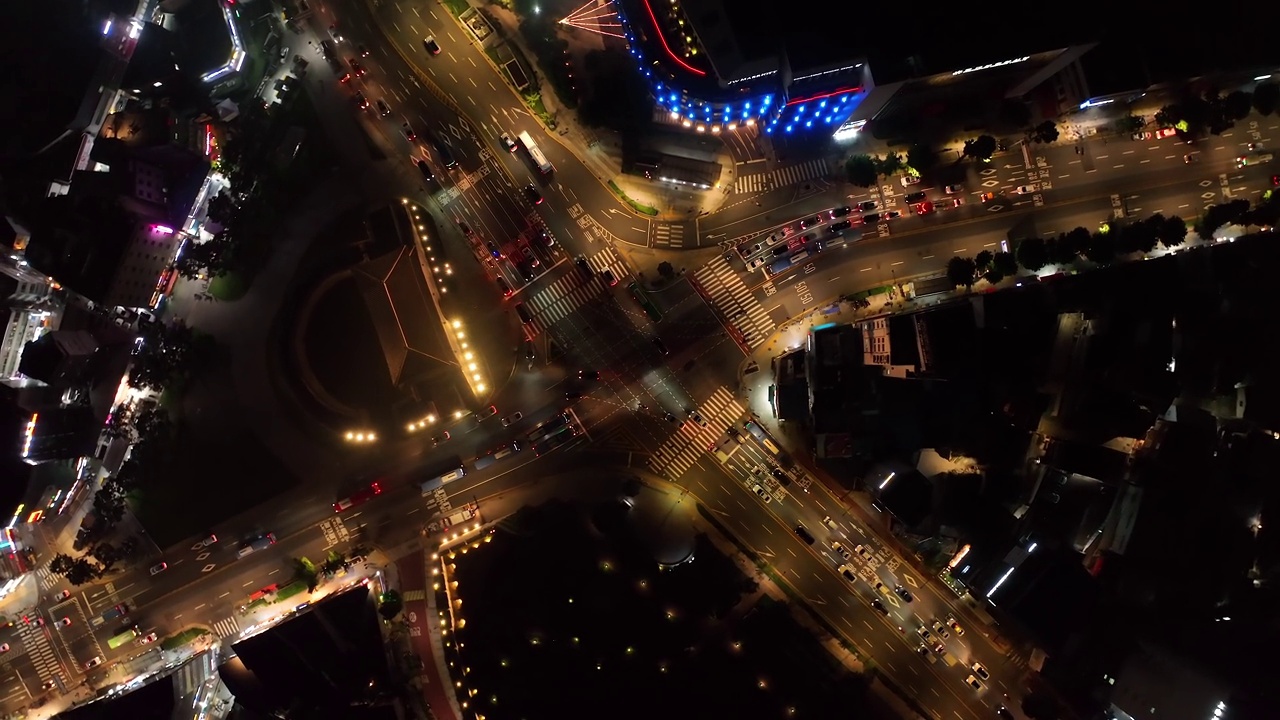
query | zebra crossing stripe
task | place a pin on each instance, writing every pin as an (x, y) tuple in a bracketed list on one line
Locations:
[(687, 444), (734, 301), (562, 297), (782, 177)]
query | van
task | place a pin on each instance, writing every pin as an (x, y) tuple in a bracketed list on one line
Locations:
[(803, 533), (525, 317)]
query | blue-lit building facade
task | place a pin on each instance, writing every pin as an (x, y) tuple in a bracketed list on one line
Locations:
[(709, 73)]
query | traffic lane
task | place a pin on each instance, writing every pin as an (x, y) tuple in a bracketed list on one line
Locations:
[(776, 208)]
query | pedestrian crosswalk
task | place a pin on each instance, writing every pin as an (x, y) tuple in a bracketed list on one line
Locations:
[(48, 579), (782, 177), (556, 301), (688, 443), (37, 647), (227, 627), (665, 235), (726, 291)]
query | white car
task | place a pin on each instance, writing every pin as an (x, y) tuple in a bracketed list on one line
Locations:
[(761, 492), (209, 541), (980, 670), (93, 663), (909, 180), (60, 596), (848, 572), (954, 189), (507, 142), (4, 647), (1025, 189), (840, 549), (64, 622), (863, 551), (512, 419), (159, 568), (148, 639), (974, 683)]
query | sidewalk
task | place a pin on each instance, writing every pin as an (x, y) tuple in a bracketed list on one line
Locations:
[(420, 616)]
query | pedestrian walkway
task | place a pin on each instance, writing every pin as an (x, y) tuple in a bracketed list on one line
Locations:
[(668, 235), (691, 440), (37, 647), (48, 580), (556, 301), (782, 177), (722, 286), (227, 628), (432, 674)]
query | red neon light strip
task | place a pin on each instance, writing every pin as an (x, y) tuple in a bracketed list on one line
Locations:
[(827, 95), (666, 47)]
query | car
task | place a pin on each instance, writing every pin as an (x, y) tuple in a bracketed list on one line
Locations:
[(93, 662), (1275, 180), (879, 606), (327, 49), (839, 227), (940, 649), (923, 208), (662, 347), (866, 205), (781, 477), (425, 169), (212, 539), (588, 374), (803, 533), (526, 271), (486, 413), (60, 596), (532, 195), (987, 197), (882, 589), (159, 568), (66, 621), (915, 197), (362, 102), (582, 264), (383, 108), (4, 648), (764, 495), (1163, 133), (871, 219), (848, 572), (1003, 712), (892, 214), (953, 189), (974, 683), (356, 67), (572, 394), (757, 263), (809, 222), (696, 417), (362, 51), (925, 635), (953, 202), (333, 32), (923, 651), (840, 549), (345, 77), (908, 180), (545, 237), (840, 211), (1187, 159), (355, 499), (1025, 189), (39, 621), (955, 626), (607, 274), (980, 670), (494, 250), (941, 629), (147, 640), (903, 593), (47, 685), (507, 142), (863, 551), (511, 419), (430, 45), (409, 134)]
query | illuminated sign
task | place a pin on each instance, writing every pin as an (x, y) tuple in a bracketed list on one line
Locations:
[(991, 66), (29, 434), (162, 229), (237, 50), (663, 39), (959, 556)]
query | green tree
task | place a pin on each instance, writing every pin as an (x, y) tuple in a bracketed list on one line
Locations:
[(1266, 95), (666, 270), (390, 604), (221, 209), (1219, 215), (213, 257), (1101, 248), (983, 260), (1174, 232), (168, 352), (961, 271), (861, 170), (922, 157), (1005, 264), (1169, 116), (106, 554), (1032, 253), (77, 571), (305, 570), (1045, 132), (1129, 124), (890, 164), (980, 148), (1237, 104), (993, 276), (108, 503)]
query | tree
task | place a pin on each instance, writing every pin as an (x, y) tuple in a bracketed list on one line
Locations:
[(961, 271), (77, 571), (108, 504), (922, 158), (666, 270), (982, 261), (221, 209), (305, 570), (1174, 232), (213, 257), (1032, 254), (167, 352), (390, 604), (1067, 246), (1045, 132), (1129, 124), (105, 553), (120, 423), (1266, 95), (980, 148), (993, 276), (861, 170), (1218, 215), (1005, 264), (1015, 113), (1101, 248), (1236, 105), (1169, 116), (890, 164)]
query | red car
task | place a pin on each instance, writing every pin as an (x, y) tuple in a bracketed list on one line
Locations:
[(360, 497)]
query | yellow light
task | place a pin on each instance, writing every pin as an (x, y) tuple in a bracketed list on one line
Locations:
[(751, 122), (466, 356), (472, 366), (480, 387), (686, 123), (715, 129), (457, 323), (702, 128), (733, 126), (460, 336)]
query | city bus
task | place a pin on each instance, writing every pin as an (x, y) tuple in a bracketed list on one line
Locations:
[(535, 153), (122, 638), (640, 297)]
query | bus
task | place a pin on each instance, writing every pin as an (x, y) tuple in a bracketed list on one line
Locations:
[(437, 482), (531, 147), (548, 428), (122, 638), (501, 453), (640, 297)]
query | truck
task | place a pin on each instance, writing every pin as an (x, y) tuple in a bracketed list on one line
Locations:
[(262, 542), (725, 448), (110, 614)]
